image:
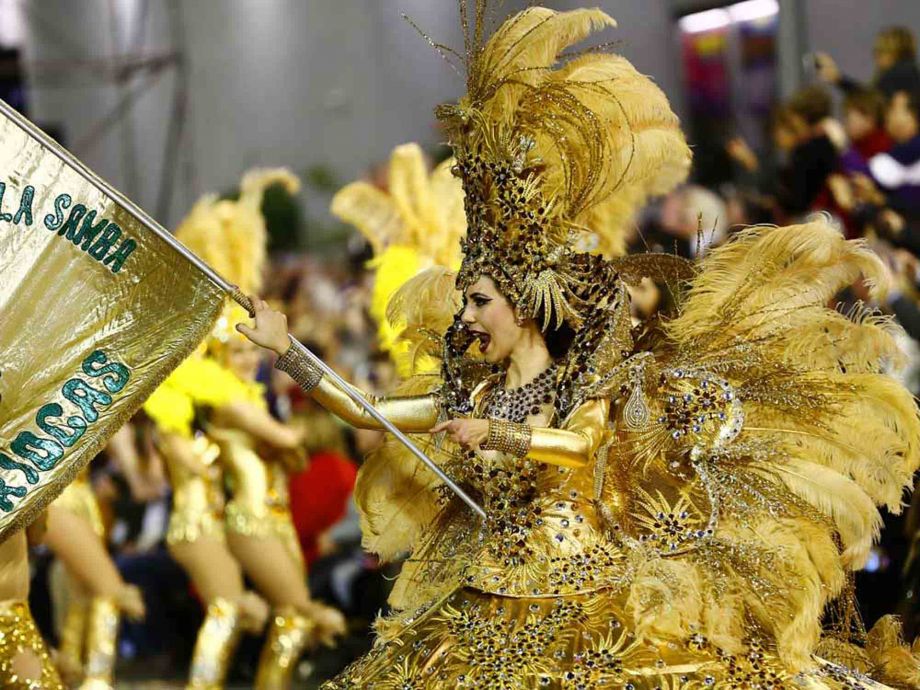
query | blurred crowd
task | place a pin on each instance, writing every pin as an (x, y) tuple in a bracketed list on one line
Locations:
[(847, 149)]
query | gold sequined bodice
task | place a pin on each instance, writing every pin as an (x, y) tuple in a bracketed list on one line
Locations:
[(256, 483), (198, 497), (543, 535)]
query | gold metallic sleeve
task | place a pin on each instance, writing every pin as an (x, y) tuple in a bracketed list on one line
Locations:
[(576, 442), (410, 413)]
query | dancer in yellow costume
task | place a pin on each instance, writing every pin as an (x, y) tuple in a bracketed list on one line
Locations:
[(195, 535), (25, 663), (97, 596), (413, 225), (670, 506), (231, 236), (255, 449)]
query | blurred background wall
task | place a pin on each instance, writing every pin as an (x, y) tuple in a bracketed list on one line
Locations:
[(169, 99)]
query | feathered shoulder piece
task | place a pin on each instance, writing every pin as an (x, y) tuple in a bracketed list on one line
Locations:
[(756, 435)]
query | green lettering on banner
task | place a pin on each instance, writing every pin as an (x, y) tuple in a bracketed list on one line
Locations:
[(114, 375), (5, 491), (25, 206), (70, 227), (104, 243), (88, 232), (102, 239), (118, 258), (44, 453), (7, 463), (86, 398), (74, 423), (60, 203)]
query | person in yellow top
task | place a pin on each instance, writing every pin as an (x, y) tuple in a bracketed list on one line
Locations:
[(195, 536), (255, 450), (258, 453), (669, 506)]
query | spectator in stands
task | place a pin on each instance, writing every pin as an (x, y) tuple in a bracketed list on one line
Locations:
[(864, 122), (895, 64), (811, 156)]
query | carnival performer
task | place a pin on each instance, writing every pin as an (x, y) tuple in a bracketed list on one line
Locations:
[(413, 224), (25, 662), (256, 451), (230, 236), (671, 506), (195, 535), (96, 594)]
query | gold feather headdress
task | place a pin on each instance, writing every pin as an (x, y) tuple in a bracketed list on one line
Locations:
[(551, 148), (413, 225), (230, 236)]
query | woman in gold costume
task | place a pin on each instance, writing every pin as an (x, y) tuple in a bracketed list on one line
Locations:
[(96, 594), (256, 451), (195, 536), (258, 454), (231, 236), (25, 663), (676, 505)]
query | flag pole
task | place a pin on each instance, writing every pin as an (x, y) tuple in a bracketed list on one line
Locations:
[(232, 290)]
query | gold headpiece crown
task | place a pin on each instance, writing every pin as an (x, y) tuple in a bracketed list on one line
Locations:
[(553, 150)]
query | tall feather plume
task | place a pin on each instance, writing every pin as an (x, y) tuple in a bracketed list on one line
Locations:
[(230, 235), (587, 138)]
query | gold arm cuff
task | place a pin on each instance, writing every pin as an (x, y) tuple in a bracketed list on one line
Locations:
[(296, 365), (508, 437)]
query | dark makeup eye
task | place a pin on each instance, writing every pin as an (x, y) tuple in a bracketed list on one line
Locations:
[(477, 298)]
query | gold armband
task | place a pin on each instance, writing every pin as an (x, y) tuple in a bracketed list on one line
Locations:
[(508, 437), (296, 365)]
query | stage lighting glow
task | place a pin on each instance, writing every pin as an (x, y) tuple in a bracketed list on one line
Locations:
[(709, 20), (751, 10)]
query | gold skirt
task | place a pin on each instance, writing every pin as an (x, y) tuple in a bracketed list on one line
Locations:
[(476, 640), (265, 522), (197, 511)]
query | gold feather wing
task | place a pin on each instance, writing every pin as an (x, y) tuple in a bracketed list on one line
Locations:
[(770, 437)]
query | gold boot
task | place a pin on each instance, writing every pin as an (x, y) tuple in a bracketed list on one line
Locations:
[(217, 639), (73, 634), (290, 633), (19, 634), (101, 640)]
